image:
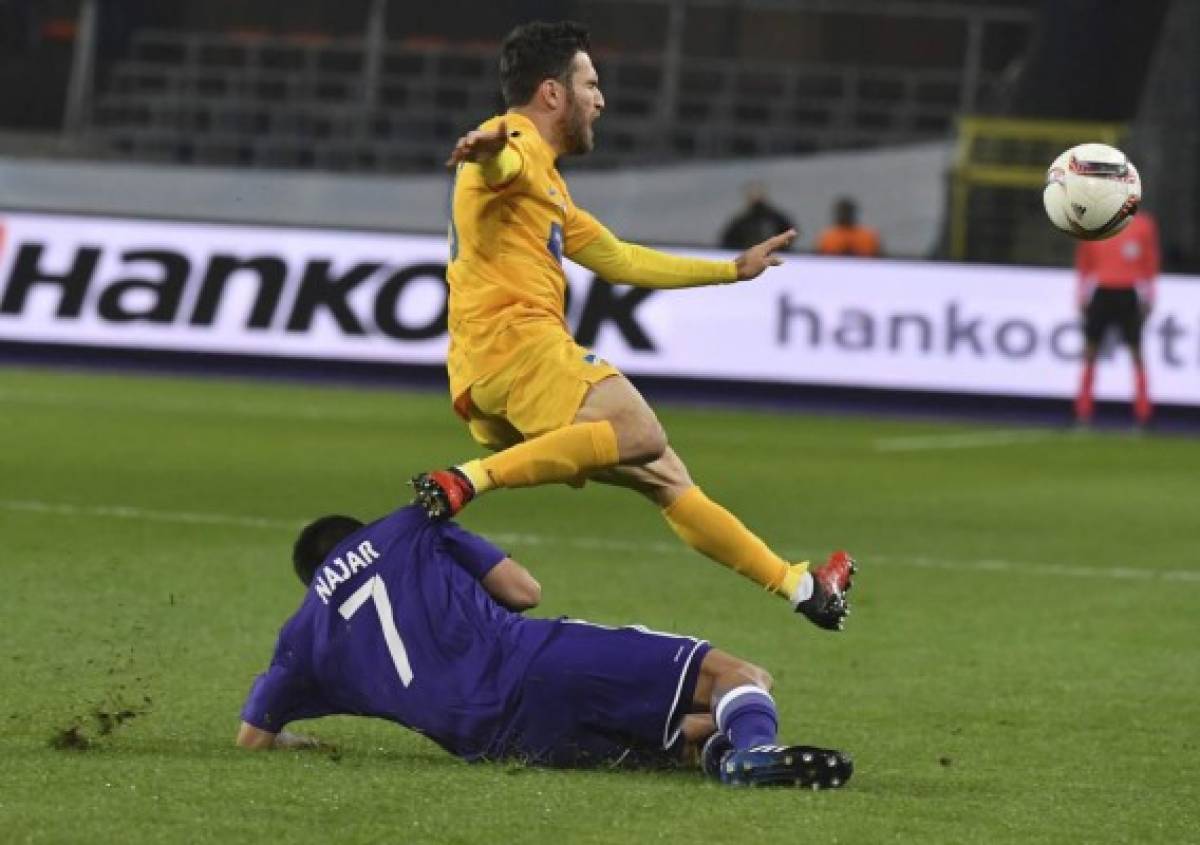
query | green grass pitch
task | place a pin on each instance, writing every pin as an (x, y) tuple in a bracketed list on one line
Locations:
[(1022, 664)]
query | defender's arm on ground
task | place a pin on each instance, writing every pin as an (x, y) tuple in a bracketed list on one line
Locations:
[(619, 262), (512, 586), (256, 739)]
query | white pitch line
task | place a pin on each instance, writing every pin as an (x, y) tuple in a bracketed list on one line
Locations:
[(327, 411), (127, 512), (657, 547), (605, 544), (1041, 569), (964, 440)]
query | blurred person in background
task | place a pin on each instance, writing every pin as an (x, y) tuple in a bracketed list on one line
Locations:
[(756, 222), (1116, 290), (846, 236)]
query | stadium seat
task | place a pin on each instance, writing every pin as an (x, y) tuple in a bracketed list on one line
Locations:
[(429, 90)]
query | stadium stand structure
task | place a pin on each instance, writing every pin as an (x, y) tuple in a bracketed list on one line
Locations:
[(995, 210), (258, 100), (1165, 138)]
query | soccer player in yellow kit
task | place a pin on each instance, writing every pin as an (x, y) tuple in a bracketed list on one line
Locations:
[(552, 411)]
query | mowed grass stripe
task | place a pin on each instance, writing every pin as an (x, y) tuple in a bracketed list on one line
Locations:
[(609, 544)]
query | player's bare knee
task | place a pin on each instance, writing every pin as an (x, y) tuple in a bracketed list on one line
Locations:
[(641, 442), (747, 673), (732, 672), (654, 444), (759, 677), (762, 678), (672, 474)]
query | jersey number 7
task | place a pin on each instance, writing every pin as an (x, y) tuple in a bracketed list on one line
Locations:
[(375, 589)]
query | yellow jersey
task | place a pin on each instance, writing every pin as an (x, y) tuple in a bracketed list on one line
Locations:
[(506, 249)]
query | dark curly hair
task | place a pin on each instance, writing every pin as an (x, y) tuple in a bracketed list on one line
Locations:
[(317, 540), (534, 52)]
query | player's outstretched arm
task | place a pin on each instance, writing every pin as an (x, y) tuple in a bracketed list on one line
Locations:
[(479, 145), (500, 161), (256, 739), (751, 263), (622, 263)]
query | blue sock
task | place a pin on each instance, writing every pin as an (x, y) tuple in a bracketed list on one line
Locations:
[(746, 715)]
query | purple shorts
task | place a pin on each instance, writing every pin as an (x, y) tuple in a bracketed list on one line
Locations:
[(596, 695)]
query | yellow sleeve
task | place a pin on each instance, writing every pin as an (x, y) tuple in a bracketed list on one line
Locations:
[(624, 263), (501, 169), (579, 229)]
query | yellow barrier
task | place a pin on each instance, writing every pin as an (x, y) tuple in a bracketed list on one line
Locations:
[(1012, 153)]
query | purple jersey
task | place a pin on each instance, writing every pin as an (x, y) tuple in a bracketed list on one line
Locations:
[(395, 625)]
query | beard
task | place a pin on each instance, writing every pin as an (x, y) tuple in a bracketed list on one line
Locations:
[(576, 131)]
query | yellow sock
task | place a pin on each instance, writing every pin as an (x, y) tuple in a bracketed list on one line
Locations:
[(477, 475), (791, 582), (559, 456), (713, 531)]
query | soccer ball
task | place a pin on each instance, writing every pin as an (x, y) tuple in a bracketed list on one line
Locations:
[(1092, 191)]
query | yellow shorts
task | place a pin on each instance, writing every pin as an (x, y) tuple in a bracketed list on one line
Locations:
[(540, 391)]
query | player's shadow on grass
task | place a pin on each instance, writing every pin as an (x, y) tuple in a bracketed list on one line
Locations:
[(435, 759)]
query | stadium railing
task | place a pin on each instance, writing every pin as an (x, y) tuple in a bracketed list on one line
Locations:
[(191, 97)]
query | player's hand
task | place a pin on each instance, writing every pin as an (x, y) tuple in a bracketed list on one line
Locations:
[(300, 742), (751, 263), (478, 145)]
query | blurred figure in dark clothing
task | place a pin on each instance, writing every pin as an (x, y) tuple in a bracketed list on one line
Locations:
[(757, 222)]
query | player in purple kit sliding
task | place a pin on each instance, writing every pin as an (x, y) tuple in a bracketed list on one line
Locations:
[(419, 622)]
